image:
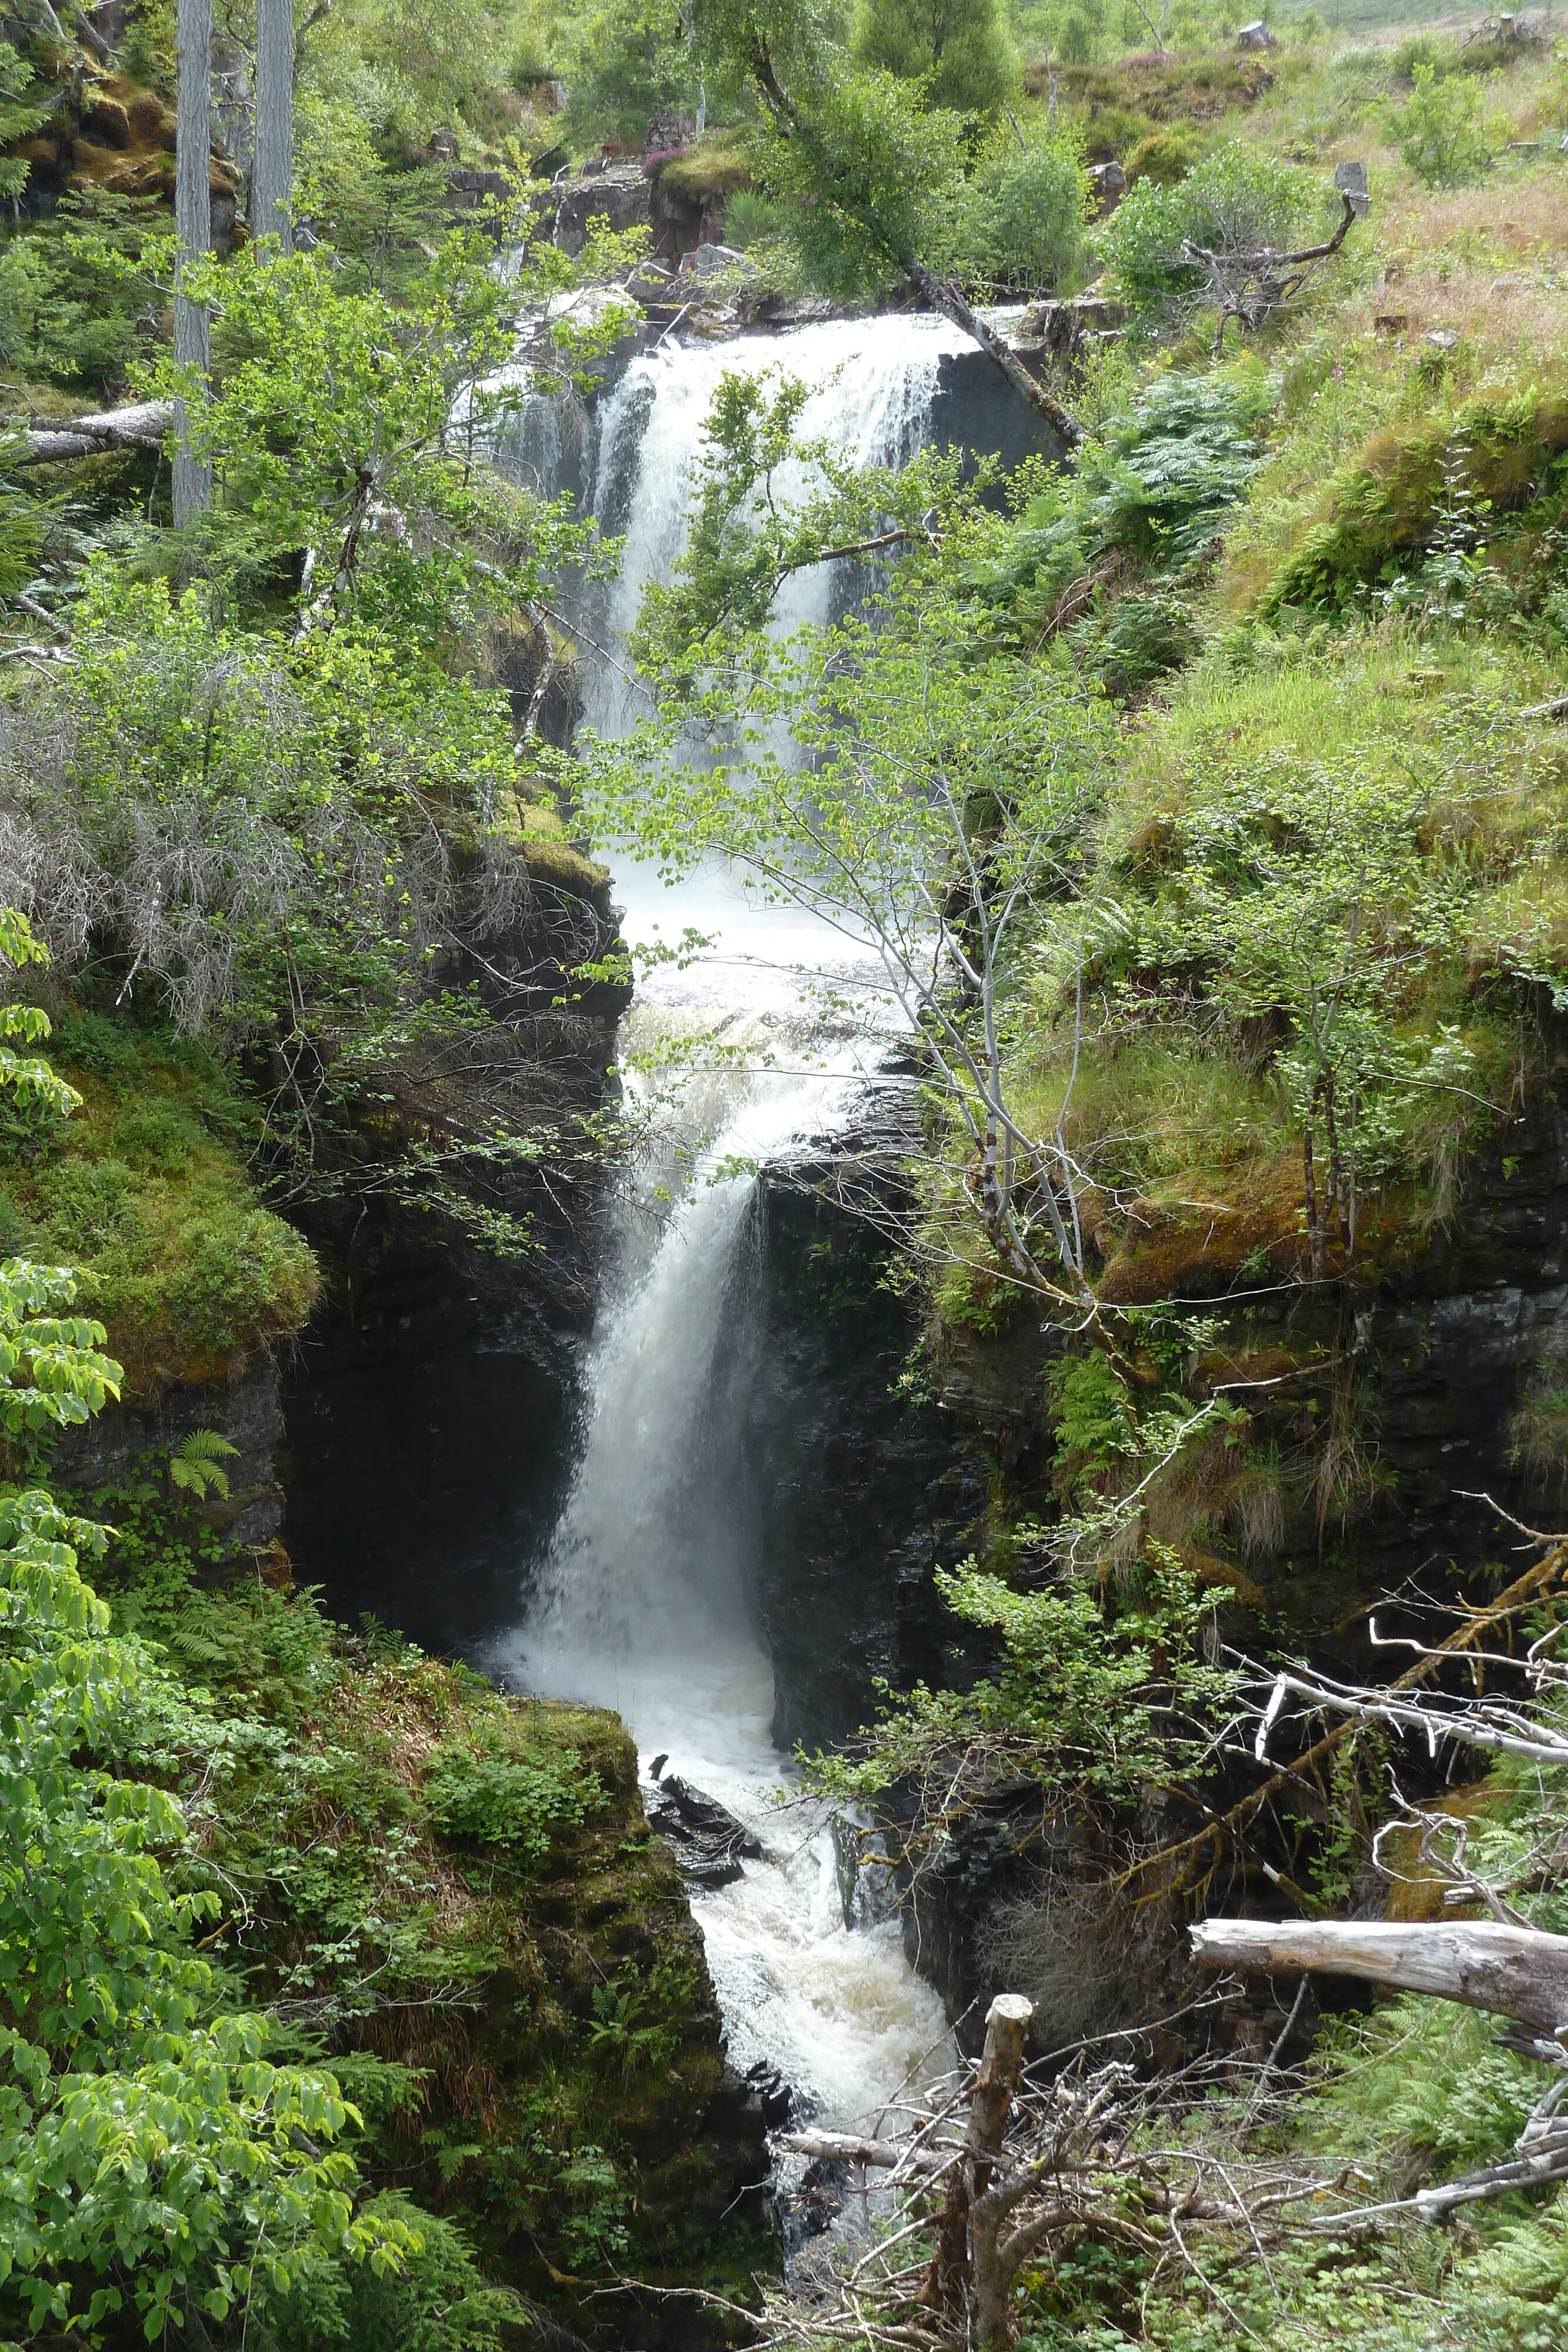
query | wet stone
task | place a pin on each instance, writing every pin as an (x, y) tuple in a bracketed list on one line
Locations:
[(708, 1841)]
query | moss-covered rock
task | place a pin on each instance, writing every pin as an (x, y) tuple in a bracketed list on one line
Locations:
[(453, 1898), (144, 1192)]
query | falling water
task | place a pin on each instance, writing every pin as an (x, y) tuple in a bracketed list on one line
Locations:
[(643, 1599), (873, 383)]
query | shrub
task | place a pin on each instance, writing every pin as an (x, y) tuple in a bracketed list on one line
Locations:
[(1441, 130), (238, 1277), (74, 289), (1141, 639), (88, 1205), (750, 219), (1172, 466), (1164, 157), (156, 1138), (92, 1042), (518, 1803), (1386, 503), (1235, 200), (713, 166), (957, 48), (1024, 213)]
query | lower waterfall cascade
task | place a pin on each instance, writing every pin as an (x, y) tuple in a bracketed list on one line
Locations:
[(641, 1600), (640, 1603)]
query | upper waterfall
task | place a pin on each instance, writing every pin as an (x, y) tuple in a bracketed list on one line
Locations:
[(875, 387)]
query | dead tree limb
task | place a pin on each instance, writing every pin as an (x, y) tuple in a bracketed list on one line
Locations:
[(1518, 1972), (1177, 1860), (1248, 286), (876, 2155)]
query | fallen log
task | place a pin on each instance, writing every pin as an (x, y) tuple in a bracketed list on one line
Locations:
[(879, 2155), (1518, 1972), (140, 425)]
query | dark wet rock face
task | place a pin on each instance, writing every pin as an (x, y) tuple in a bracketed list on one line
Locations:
[(118, 1443), (865, 1485), (707, 1840), (1457, 1346)]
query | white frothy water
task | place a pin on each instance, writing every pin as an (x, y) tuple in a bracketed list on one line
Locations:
[(873, 383), (643, 1603)]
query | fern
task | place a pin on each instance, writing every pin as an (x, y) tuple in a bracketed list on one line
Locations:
[(194, 1465)]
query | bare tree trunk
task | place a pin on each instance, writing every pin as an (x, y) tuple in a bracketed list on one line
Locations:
[(272, 176), (193, 222), (140, 425), (944, 297), (1519, 1972), (1007, 2030)]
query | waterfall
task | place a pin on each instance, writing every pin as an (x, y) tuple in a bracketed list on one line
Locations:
[(873, 383), (643, 1599)]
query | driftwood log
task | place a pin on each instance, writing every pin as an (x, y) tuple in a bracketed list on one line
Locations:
[(1517, 1972), (139, 426)]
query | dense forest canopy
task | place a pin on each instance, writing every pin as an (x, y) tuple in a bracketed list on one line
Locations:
[(1198, 783)]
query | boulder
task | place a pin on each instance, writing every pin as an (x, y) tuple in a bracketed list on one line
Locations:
[(619, 195), (707, 1840), (706, 261), (105, 120), (1107, 182)]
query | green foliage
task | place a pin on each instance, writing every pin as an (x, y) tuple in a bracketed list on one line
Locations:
[(1165, 156), (438, 2301), (1163, 475), (20, 115), (1156, 483), (195, 1465), (75, 289), (623, 64), (129, 2088), (957, 50), (752, 220), (1090, 1413), (1022, 221), (521, 1802), (1237, 199), (1435, 476), (1441, 129), (336, 399), (1091, 1698), (874, 176)]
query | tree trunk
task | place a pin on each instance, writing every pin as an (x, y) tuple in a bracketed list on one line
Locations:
[(193, 222), (1519, 1972), (139, 426), (272, 174), (944, 297), (1007, 2030)]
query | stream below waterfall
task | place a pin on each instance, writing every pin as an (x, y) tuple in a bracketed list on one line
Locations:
[(601, 1546)]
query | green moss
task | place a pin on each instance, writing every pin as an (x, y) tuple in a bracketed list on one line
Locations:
[(143, 1190), (557, 864), (712, 167)]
